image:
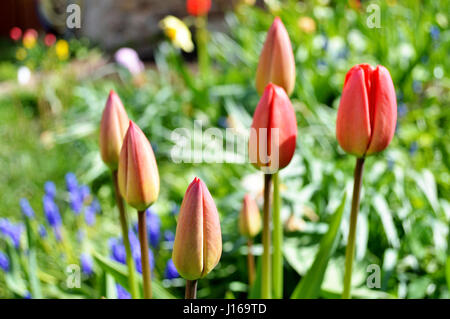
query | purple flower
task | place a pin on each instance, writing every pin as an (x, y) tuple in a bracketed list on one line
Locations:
[(122, 293), (4, 262), (87, 264), (51, 211), (153, 227), (96, 205), (84, 192), (13, 231), (76, 202), (169, 236), (27, 295), (71, 182), (26, 208), (129, 59), (50, 189), (118, 252), (171, 272), (42, 231), (89, 215)]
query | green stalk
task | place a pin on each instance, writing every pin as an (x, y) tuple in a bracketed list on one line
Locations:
[(250, 263), (350, 250), (191, 289), (202, 49), (143, 240), (132, 282), (266, 284), (277, 241)]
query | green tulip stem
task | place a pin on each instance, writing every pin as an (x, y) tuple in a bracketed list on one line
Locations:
[(250, 263), (350, 250), (126, 240), (202, 48), (143, 240), (277, 241), (191, 289), (266, 284)]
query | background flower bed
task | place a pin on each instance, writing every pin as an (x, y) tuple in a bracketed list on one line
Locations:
[(52, 128)]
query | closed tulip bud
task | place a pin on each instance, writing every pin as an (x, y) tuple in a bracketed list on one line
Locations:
[(198, 240), (367, 113), (138, 173), (113, 127), (276, 62), (274, 131), (249, 218), (198, 7)]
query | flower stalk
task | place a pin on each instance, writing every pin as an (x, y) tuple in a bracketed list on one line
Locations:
[(143, 240), (349, 252), (191, 289), (126, 241), (277, 240), (250, 262), (266, 285)]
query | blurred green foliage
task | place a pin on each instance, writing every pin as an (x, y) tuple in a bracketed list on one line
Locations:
[(405, 210)]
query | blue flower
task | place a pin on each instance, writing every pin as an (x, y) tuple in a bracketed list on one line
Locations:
[(13, 231), (4, 262), (51, 211), (153, 227), (171, 272), (402, 109), (434, 32), (42, 231), (122, 293), (96, 205), (71, 182), (87, 264), (27, 295), (50, 189), (84, 192), (26, 208), (76, 202), (89, 215), (169, 236), (118, 252), (151, 260)]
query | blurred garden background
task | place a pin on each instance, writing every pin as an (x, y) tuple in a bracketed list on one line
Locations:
[(54, 83)]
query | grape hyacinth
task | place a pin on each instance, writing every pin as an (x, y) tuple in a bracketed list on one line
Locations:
[(26, 208), (4, 262), (122, 293), (50, 189), (42, 231), (51, 211), (171, 272), (11, 231), (87, 264)]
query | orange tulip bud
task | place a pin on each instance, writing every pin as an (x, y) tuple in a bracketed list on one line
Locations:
[(276, 62), (113, 127), (198, 239), (367, 113), (249, 218), (274, 131), (138, 173)]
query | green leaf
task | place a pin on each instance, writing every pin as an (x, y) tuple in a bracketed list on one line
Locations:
[(255, 289), (120, 273), (309, 285)]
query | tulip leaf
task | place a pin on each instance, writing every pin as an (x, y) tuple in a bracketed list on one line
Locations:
[(309, 286), (120, 273)]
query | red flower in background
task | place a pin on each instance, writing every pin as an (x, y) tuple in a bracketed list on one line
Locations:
[(15, 34), (367, 113), (198, 7), (49, 39)]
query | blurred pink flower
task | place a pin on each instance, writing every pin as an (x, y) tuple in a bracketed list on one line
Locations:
[(49, 39), (129, 59), (15, 33)]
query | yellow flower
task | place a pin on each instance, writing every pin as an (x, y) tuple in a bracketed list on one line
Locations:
[(21, 54), (307, 24), (29, 41), (62, 49), (178, 33)]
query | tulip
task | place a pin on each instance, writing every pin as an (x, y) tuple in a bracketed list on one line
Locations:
[(198, 7), (198, 240), (365, 125), (138, 183), (250, 225), (15, 33), (113, 127), (274, 131), (367, 113), (138, 172), (250, 218), (276, 62)]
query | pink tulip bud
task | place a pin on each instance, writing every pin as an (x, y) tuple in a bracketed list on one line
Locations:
[(113, 127), (367, 113), (274, 131), (138, 173), (276, 62), (198, 239), (249, 218)]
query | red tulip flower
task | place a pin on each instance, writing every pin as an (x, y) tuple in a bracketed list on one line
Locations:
[(276, 62), (274, 131), (15, 34), (113, 127), (49, 39), (367, 113), (198, 239), (198, 7)]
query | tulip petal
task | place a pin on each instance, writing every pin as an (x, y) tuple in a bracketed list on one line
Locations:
[(353, 117), (384, 110)]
